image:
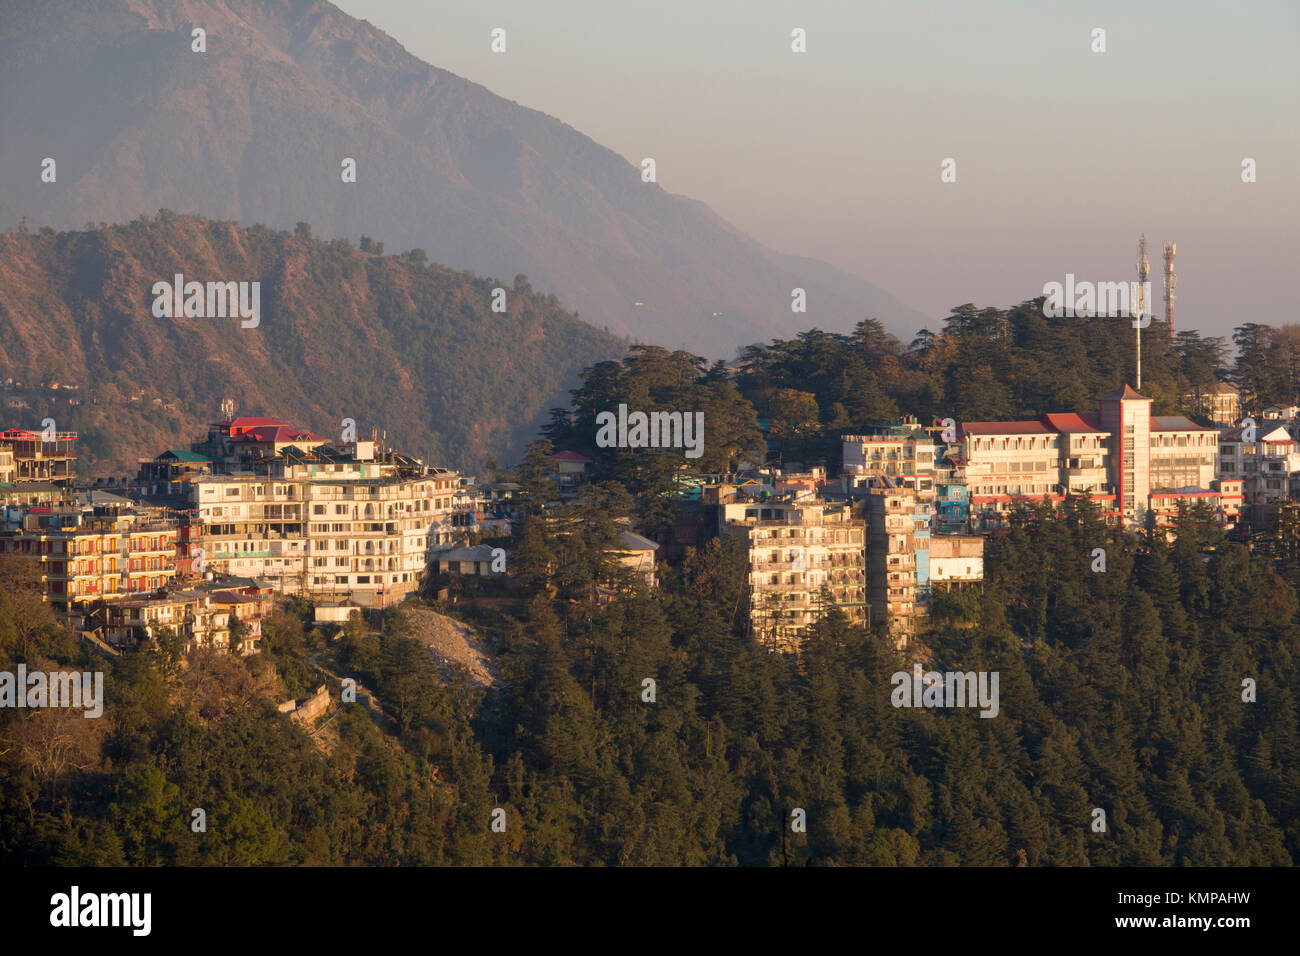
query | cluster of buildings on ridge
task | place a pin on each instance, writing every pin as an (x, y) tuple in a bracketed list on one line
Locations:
[(908, 514), (205, 537)]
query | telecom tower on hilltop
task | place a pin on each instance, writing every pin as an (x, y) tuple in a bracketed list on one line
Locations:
[(1143, 270), (1171, 284)]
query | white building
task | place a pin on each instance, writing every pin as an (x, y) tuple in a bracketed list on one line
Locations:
[(797, 547), (330, 523), (1127, 459), (1264, 466)]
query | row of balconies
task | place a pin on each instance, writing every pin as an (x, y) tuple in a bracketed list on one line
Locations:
[(83, 570), (363, 492)]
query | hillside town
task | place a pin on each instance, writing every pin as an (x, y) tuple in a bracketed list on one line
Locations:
[(206, 539)]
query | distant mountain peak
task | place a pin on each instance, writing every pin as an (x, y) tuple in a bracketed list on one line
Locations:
[(256, 129)]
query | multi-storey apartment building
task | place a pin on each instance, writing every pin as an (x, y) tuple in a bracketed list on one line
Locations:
[(1265, 466), (798, 546), (351, 522), (41, 457), (85, 556), (951, 494), (1119, 456), (890, 510), (903, 452), (36, 468), (199, 618)]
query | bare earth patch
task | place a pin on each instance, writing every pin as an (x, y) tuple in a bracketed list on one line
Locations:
[(451, 641)]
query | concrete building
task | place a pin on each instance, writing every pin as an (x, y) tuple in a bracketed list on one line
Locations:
[(951, 494), (242, 441), (636, 553), (1119, 457), (811, 481), (34, 471), (84, 556), (351, 523), (1267, 467), (956, 561), (904, 452), (41, 458), (200, 618), (172, 472), (1280, 413), (570, 470), (797, 547), (890, 511)]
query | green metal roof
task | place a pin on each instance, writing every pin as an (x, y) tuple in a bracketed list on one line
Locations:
[(182, 454)]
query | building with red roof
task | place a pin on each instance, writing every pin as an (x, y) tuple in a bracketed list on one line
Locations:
[(40, 457), (1131, 461)]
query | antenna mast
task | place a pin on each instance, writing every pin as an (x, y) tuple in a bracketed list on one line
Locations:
[(1143, 270), (1171, 284)]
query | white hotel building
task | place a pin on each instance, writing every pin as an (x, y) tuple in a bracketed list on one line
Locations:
[(330, 523)]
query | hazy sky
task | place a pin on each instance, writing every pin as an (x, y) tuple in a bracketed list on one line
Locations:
[(1063, 155)]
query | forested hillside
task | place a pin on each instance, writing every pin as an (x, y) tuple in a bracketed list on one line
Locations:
[(1120, 690), (391, 342)]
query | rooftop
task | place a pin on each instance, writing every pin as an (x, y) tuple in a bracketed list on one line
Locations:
[(630, 541), (479, 552), (1176, 423), (1005, 428), (1124, 394), (182, 454), (274, 433)]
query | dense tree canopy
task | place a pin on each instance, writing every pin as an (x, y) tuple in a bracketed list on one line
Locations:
[(1119, 690)]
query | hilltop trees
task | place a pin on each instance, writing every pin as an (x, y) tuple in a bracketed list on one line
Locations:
[(652, 379), (996, 364), (655, 730)]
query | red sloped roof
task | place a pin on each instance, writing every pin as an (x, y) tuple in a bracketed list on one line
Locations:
[(239, 425), (275, 433), (1125, 394), (569, 456), (1071, 423)]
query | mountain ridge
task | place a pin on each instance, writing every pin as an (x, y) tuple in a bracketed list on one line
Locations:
[(255, 130), (388, 341)]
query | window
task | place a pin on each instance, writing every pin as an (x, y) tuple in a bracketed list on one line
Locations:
[(318, 509)]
